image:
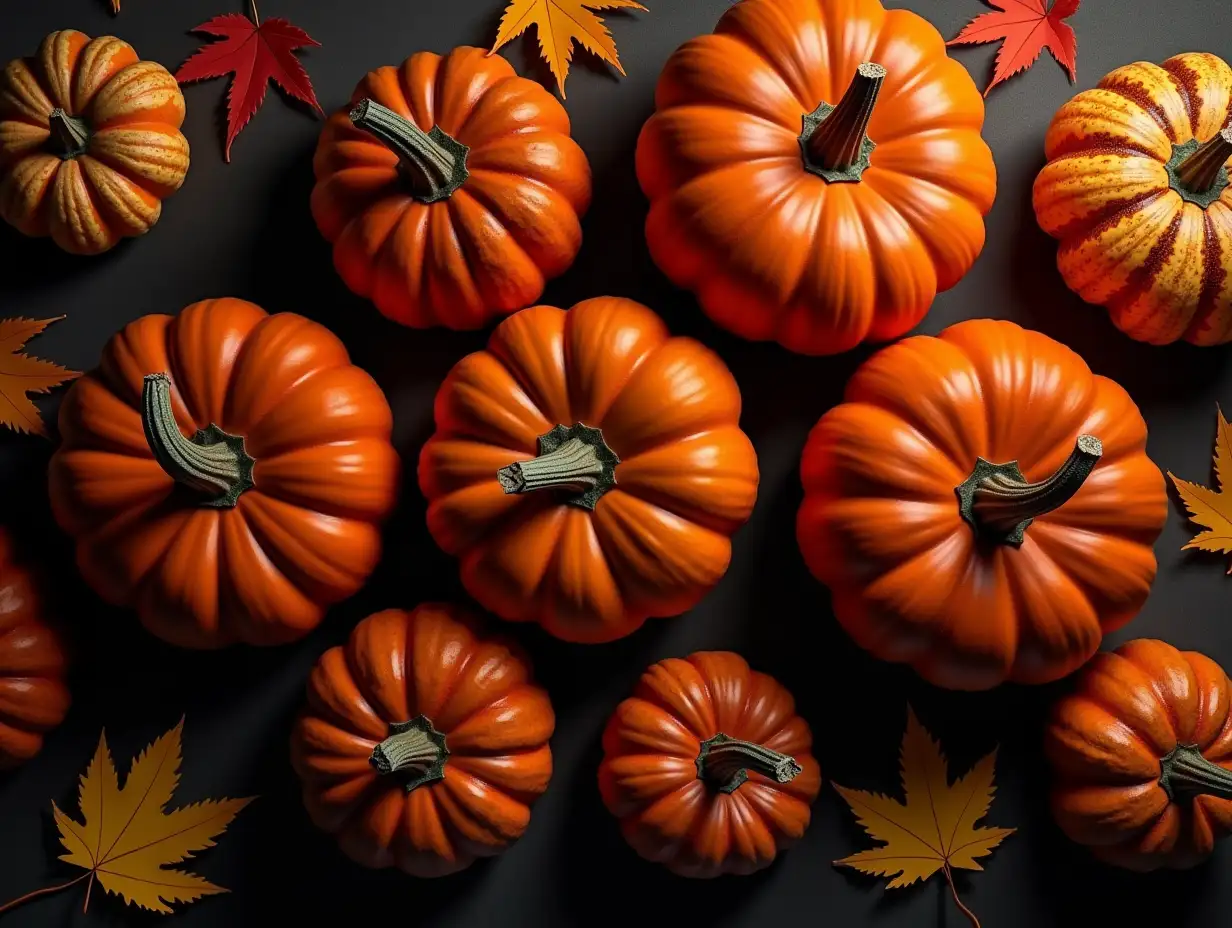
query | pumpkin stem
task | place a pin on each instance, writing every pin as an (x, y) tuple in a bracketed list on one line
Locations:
[(414, 750), (1000, 503), (1186, 773), (433, 163), (1200, 172), (69, 134), (724, 763), (835, 143), (212, 462), (573, 459)]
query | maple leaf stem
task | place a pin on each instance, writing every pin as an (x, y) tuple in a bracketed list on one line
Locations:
[(433, 163), (724, 763), (838, 142), (574, 460), (252, 7), (212, 462), (85, 906), (1200, 172), (949, 878), (999, 502), (45, 891)]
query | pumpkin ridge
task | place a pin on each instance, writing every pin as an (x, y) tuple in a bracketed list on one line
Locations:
[(1110, 215), (1095, 143), (1143, 231), (1164, 704), (1187, 83), (734, 24), (1142, 277), (1214, 276), (474, 108), (484, 200), (1111, 659), (1136, 93)]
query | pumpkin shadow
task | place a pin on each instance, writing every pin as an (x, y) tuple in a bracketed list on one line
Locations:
[(40, 260)]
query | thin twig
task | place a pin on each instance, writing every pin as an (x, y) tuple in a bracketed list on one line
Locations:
[(45, 891), (949, 878), (89, 886), (256, 18)]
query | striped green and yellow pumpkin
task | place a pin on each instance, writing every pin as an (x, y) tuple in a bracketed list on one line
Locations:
[(1136, 190)]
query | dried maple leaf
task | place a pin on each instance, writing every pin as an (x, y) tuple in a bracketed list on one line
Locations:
[(125, 839), (20, 375), (560, 22), (934, 829), (115, 6), (255, 52), (1211, 509), (1028, 27)]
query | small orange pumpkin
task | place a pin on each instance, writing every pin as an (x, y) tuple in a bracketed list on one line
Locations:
[(90, 142), (588, 469), (423, 744), (1136, 190), (708, 767), (1142, 756), (34, 697), (450, 189)]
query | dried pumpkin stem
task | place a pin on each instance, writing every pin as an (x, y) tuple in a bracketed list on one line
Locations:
[(573, 460), (433, 163), (724, 763), (835, 143), (414, 751), (1200, 172), (70, 135), (212, 462), (1001, 503), (1185, 773)]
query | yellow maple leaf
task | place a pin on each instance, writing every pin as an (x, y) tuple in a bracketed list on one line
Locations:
[(1211, 509), (934, 828), (20, 375), (561, 22)]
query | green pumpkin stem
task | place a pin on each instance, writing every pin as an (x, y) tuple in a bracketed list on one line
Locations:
[(70, 135), (835, 141), (573, 460), (1185, 773), (724, 763), (1200, 172), (414, 751), (433, 163), (211, 463)]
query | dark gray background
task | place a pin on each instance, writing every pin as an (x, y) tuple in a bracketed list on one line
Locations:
[(244, 230)]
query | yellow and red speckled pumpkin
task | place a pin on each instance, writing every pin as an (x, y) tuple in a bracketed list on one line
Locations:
[(1136, 190)]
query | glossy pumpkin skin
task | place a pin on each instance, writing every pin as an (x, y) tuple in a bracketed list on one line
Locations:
[(476, 692), (304, 537), (649, 777), (34, 697), (1108, 742), (1129, 240), (687, 479), (776, 252), (489, 247), (134, 158), (880, 524)]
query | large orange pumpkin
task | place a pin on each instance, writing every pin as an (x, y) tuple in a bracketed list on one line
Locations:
[(423, 744), (982, 506), (225, 472), (588, 469), (450, 189), (816, 172), (708, 767), (90, 142), (1136, 190), (34, 697), (1142, 756)]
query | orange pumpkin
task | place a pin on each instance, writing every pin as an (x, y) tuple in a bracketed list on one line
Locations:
[(815, 171), (588, 469), (34, 697), (225, 472), (708, 767), (1136, 190), (982, 506), (1142, 757), (90, 142), (450, 189), (423, 744)]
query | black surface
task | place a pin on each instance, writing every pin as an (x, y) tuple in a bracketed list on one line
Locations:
[(244, 230)]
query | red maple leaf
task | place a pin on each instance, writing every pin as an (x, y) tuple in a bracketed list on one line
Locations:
[(1028, 27), (255, 52)]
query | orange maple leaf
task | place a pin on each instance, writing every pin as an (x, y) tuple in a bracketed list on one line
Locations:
[(20, 375), (1211, 509), (560, 22)]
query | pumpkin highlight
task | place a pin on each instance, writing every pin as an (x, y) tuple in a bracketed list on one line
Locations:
[(1136, 191), (423, 744), (981, 506), (90, 142)]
